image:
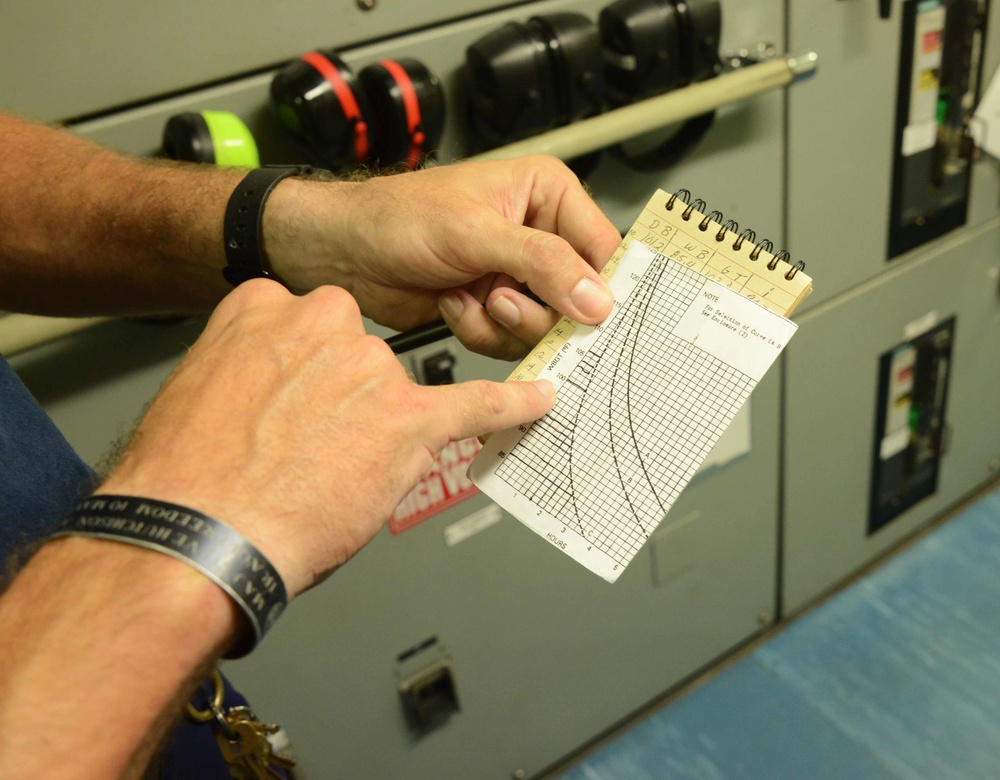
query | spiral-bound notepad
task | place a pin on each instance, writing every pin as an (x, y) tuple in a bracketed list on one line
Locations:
[(677, 227), (644, 396)]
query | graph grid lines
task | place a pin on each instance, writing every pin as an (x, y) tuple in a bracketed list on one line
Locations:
[(623, 441)]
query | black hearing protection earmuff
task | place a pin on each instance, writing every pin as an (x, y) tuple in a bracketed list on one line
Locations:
[(524, 79), (408, 105), (319, 99), (216, 137), (654, 46), (392, 112), (701, 30), (642, 44)]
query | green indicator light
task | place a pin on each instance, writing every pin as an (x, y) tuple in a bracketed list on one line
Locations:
[(914, 419)]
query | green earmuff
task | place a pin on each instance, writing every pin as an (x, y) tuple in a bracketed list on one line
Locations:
[(217, 137)]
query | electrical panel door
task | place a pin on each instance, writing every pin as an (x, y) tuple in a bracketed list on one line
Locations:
[(890, 410), (846, 160)]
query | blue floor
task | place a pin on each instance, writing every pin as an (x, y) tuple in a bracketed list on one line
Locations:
[(896, 677)]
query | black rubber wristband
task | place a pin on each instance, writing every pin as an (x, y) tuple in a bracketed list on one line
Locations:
[(244, 222), (211, 547)]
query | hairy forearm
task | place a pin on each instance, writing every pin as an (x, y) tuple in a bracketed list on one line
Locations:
[(84, 230), (73, 703)]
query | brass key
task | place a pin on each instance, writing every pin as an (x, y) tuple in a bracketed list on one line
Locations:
[(240, 754), (242, 739), (246, 748), (263, 747)]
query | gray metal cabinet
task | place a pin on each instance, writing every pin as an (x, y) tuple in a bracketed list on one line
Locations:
[(831, 406)]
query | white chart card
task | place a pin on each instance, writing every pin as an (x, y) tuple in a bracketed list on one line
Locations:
[(642, 399)]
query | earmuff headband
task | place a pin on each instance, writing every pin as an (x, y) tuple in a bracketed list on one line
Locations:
[(345, 95), (411, 105)]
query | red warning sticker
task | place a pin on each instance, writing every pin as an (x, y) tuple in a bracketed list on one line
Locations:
[(443, 486)]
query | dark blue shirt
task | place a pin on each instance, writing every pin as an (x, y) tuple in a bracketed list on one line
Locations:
[(41, 479)]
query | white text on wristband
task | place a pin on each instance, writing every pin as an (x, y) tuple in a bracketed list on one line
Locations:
[(211, 547)]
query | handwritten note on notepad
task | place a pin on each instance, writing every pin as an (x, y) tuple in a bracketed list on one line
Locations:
[(719, 250), (643, 396)]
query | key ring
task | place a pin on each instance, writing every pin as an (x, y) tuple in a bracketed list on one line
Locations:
[(214, 708)]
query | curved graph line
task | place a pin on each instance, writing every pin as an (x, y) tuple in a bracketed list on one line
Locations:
[(635, 326), (611, 430), (578, 485), (603, 346), (630, 322), (662, 267)]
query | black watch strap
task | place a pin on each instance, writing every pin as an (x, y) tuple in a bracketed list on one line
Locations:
[(244, 222)]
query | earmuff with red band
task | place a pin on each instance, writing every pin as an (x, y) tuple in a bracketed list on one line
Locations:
[(524, 79), (318, 98), (392, 112), (408, 107)]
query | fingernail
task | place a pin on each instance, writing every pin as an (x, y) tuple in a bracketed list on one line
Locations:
[(546, 388), (451, 306), (504, 311), (592, 299)]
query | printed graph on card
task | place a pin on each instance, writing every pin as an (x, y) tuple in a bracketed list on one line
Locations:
[(642, 400)]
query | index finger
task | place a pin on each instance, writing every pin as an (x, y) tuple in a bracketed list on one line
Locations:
[(474, 408), (555, 272), (563, 238), (560, 204)]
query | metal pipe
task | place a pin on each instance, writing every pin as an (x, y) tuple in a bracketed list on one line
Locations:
[(613, 127), (19, 332)]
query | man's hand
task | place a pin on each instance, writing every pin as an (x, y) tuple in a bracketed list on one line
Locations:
[(290, 424), (461, 241), (287, 422)]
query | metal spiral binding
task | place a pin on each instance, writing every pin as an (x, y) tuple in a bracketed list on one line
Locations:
[(782, 255), (684, 195), (764, 245), (731, 226), (800, 265), (746, 235), (696, 205), (713, 216)]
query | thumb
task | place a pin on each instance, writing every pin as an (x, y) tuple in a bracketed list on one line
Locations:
[(554, 271)]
